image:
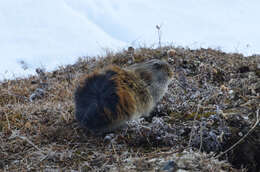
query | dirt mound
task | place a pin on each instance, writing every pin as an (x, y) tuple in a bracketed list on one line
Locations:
[(211, 104)]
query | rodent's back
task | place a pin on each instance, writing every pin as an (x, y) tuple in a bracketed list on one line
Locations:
[(108, 98)]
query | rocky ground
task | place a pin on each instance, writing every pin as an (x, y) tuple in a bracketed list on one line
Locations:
[(207, 121)]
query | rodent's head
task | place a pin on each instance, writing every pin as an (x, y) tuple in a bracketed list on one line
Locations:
[(157, 74), (153, 71)]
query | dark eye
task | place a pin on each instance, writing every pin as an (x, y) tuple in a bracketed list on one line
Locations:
[(157, 65)]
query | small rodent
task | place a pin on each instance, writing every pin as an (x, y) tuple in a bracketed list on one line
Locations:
[(107, 98)]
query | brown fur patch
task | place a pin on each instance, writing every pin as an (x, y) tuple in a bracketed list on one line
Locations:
[(108, 114), (168, 70), (131, 91), (127, 102), (146, 76)]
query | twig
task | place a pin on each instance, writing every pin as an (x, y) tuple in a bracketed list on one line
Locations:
[(158, 27), (163, 154), (30, 142), (117, 156), (201, 135), (8, 123), (243, 138), (193, 125), (114, 148)]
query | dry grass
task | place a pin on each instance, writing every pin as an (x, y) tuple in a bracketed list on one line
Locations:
[(38, 131)]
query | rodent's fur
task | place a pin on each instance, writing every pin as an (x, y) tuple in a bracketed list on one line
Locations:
[(107, 98)]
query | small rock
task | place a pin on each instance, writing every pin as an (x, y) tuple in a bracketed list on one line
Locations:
[(224, 88), (243, 69), (40, 71), (131, 50), (170, 166), (109, 137), (230, 92), (2, 164), (33, 82), (38, 93)]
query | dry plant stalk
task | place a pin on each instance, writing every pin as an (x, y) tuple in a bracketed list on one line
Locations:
[(243, 138), (193, 123), (158, 27), (8, 122)]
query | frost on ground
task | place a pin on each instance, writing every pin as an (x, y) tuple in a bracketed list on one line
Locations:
[(210, 105)]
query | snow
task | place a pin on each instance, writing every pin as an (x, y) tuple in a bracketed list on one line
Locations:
[(48, 33)]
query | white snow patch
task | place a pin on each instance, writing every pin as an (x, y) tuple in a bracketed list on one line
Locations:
[(52, 33)]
